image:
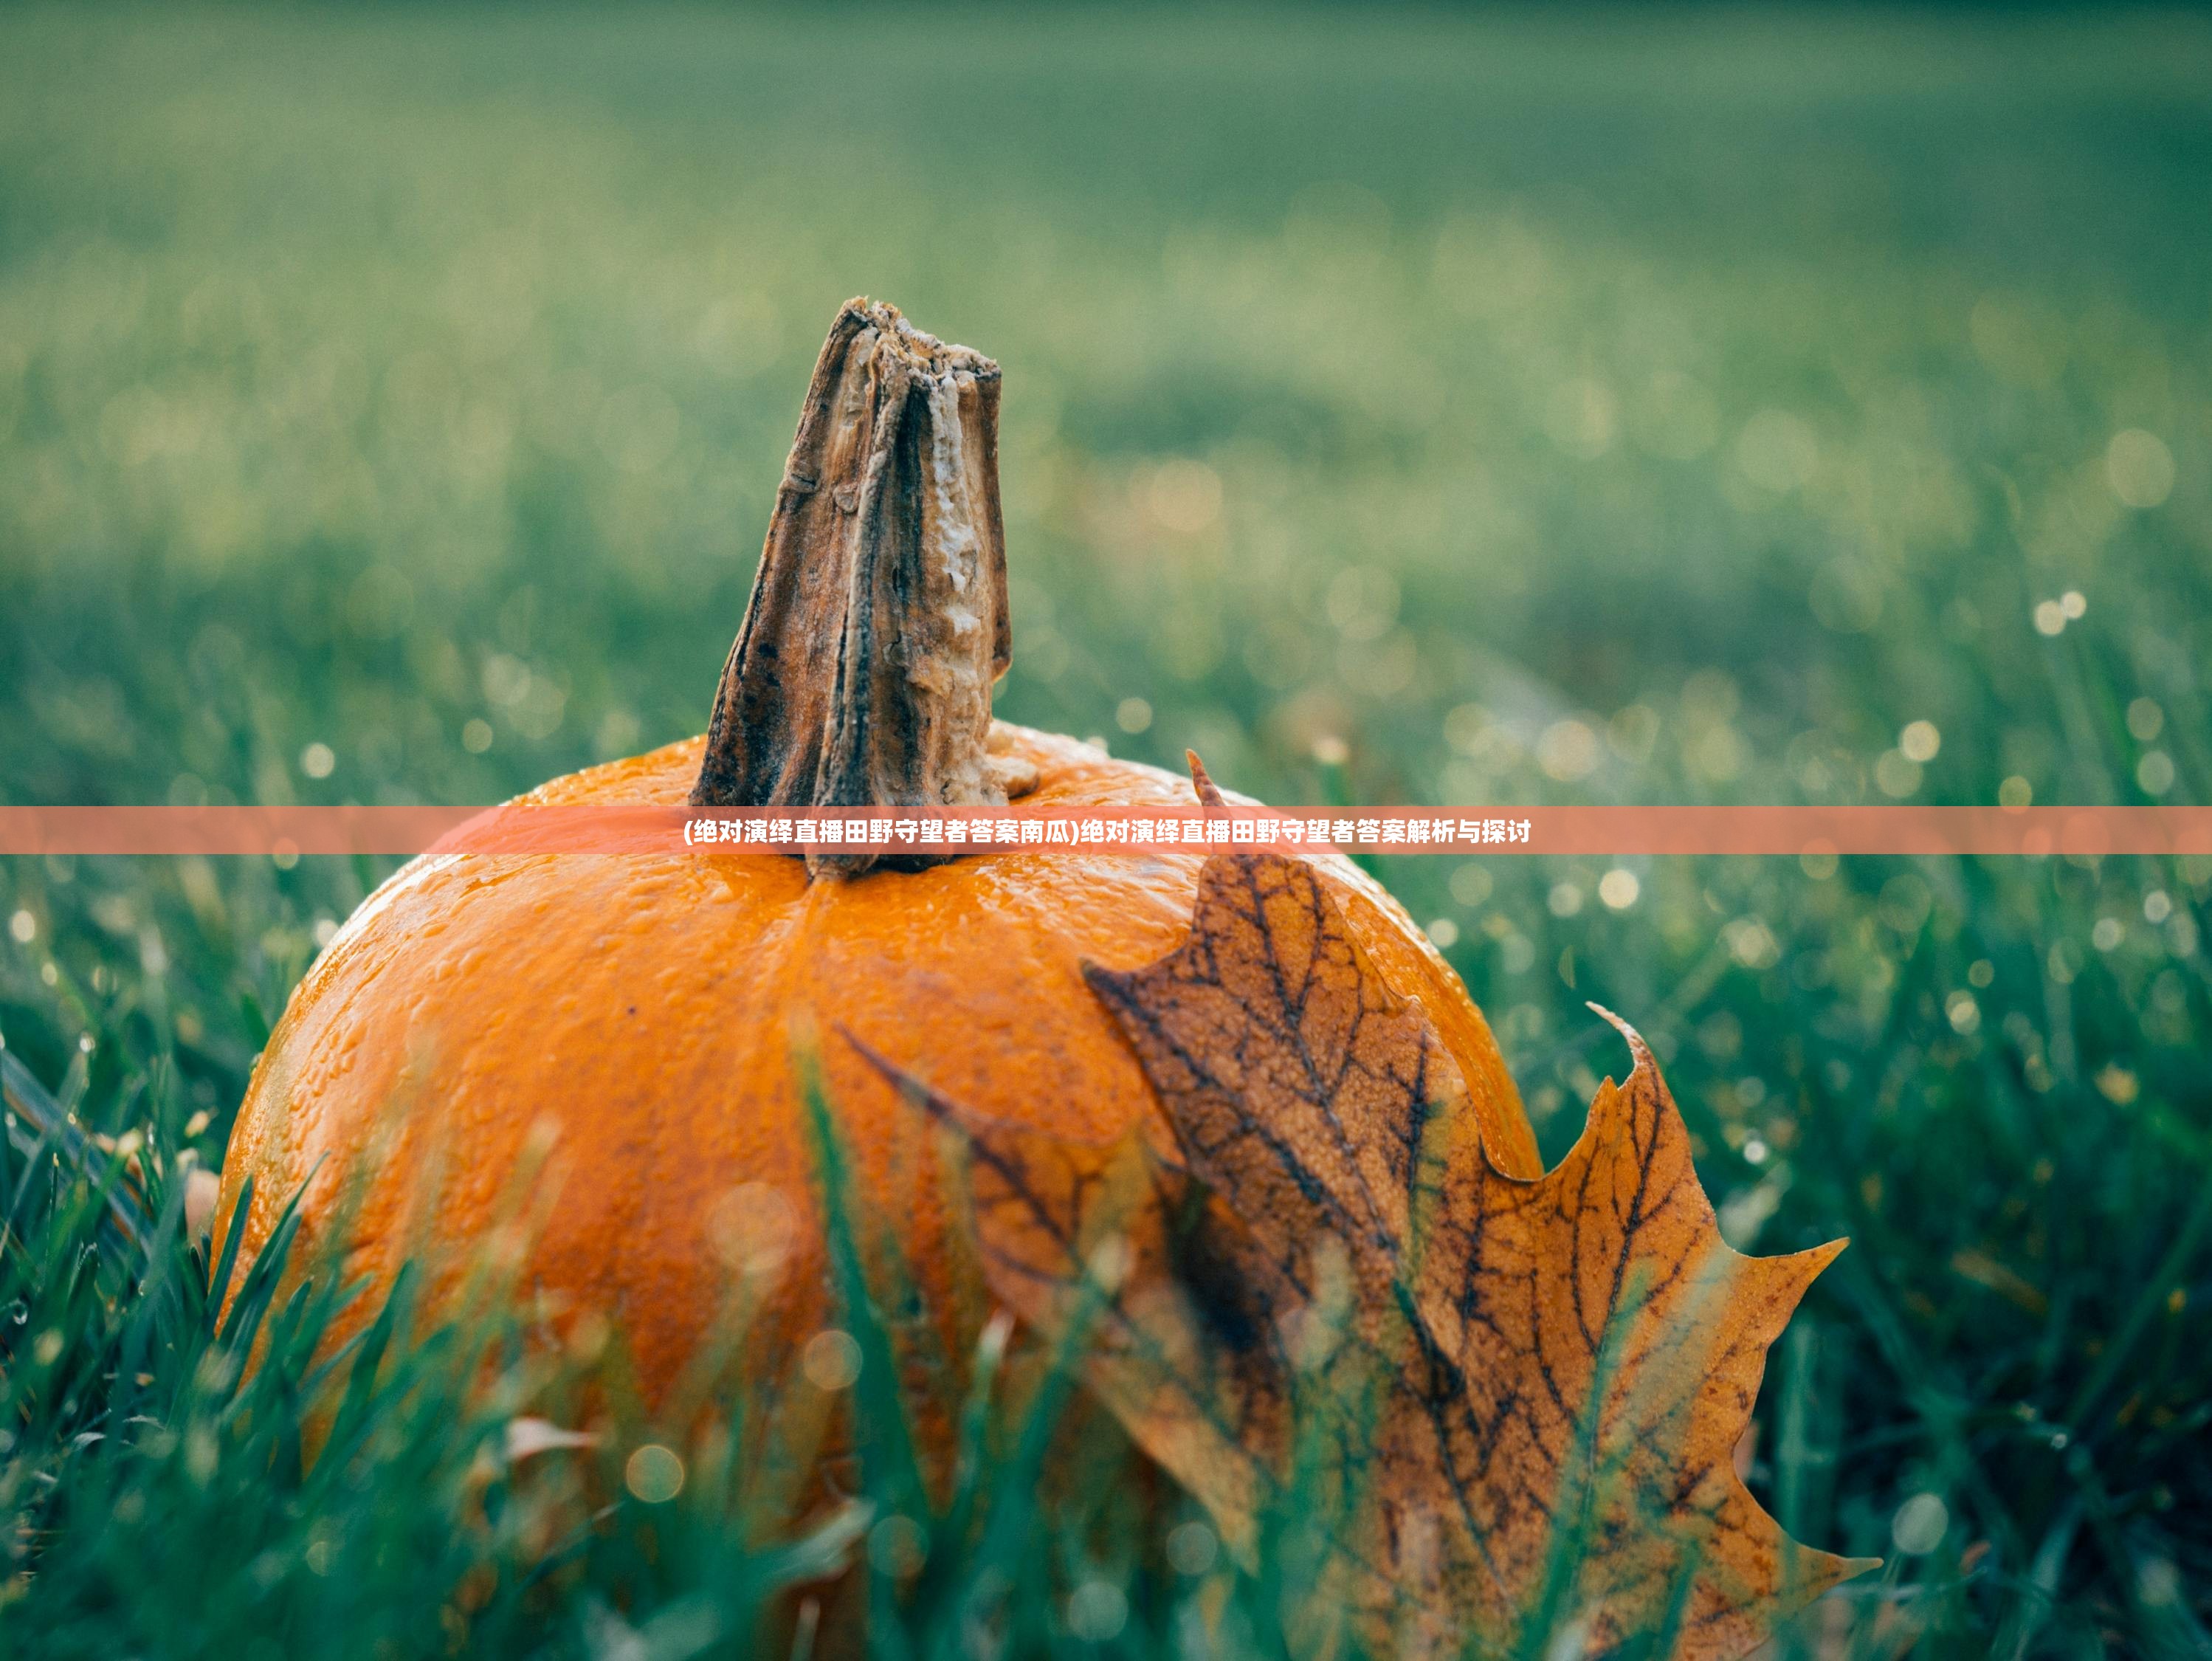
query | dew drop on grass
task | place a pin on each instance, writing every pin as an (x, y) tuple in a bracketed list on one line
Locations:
[(831, 1360), (752, 1229), (1097, 1612), (898, 1547), (655, 1474), (1920, 1524), (2158, 1584), (1192, 1548), (2139, 467), (1470, 885)]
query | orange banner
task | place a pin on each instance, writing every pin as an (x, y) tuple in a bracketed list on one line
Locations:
[(1589, 830)]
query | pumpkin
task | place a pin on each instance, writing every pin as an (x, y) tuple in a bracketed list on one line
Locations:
[(636, 1014)]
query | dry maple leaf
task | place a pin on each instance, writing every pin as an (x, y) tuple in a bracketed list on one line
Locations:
[(1487, 1414)]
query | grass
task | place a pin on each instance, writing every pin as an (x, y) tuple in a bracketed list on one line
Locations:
[(1407, 407)]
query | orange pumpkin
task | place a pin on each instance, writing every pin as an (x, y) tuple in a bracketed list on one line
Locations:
[(637, 1012)]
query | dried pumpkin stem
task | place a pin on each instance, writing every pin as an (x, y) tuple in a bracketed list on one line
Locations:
[(862, 677)]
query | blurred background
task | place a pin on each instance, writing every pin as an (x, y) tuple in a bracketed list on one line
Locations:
[(1752, 405)]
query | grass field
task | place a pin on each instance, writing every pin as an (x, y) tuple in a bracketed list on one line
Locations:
[(1401, 407)]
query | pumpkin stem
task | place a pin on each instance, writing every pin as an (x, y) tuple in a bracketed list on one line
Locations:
[(861, 676)]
